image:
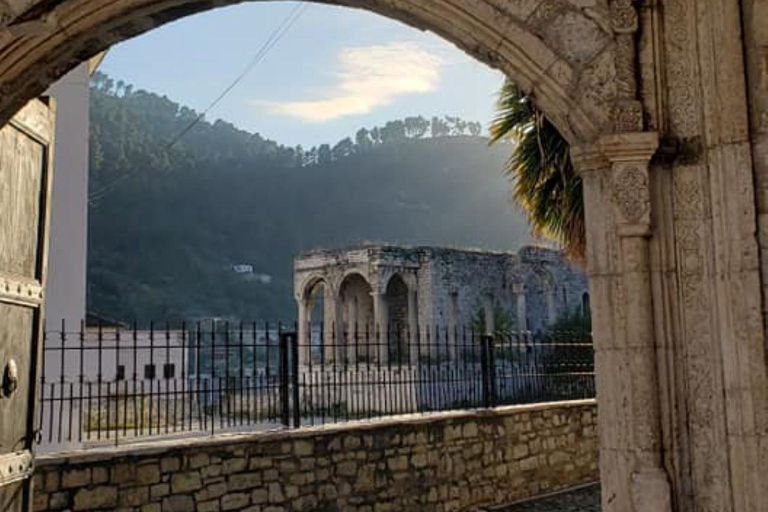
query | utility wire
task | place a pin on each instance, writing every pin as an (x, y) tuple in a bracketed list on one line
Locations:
[(274, 38), (270, 43)]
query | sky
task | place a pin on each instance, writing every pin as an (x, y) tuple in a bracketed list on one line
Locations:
[(336, 70)]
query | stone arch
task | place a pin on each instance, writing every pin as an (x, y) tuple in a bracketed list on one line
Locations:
[(561, 53), (396, 293), (540, 291), (309, 286), (356, 302)]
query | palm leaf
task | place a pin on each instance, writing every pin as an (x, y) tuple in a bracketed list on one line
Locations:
[(544, 181)]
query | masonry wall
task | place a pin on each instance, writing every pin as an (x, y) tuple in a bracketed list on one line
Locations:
[(447, 462)]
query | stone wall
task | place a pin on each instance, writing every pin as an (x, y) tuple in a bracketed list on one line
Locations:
[(445, 462)]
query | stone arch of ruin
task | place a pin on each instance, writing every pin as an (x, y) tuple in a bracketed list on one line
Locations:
[(664, 103), (309, 286)]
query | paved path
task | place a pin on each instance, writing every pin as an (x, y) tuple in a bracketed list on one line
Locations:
[(584, 500)]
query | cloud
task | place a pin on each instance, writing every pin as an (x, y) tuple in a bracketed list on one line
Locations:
[(368, 77)]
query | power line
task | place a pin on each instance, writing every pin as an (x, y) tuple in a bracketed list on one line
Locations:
[(280, 31), (276, 36)]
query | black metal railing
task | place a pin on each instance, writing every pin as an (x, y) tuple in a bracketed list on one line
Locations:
[(113, 384)]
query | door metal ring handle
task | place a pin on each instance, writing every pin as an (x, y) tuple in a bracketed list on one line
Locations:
[(10, 378)]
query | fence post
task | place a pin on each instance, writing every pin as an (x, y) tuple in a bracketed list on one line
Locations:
[(284, 348), (488, 367), (491, 348), (485, 367), (293, 340)]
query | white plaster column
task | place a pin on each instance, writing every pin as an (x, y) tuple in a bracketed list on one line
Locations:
[(381, 325), (518, 289), (618, 218)]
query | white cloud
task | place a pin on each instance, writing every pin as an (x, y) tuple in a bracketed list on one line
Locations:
[(368, 77)]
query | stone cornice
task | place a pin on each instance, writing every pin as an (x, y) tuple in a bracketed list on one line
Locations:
[(629, 147), (638, 147)]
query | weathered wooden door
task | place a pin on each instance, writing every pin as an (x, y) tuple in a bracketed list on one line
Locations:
[(25, 175)]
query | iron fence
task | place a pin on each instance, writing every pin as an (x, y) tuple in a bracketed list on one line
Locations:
[(112, 385)]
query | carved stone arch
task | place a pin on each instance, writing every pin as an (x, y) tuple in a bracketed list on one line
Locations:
[(407, 277), (308, 285), (539, 274), (565, 56), (349, 273)]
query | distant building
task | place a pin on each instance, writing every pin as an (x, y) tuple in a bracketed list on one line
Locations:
[(381, 287), (116, 354)]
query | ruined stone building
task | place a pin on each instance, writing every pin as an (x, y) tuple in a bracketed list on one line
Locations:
[(365, 291)]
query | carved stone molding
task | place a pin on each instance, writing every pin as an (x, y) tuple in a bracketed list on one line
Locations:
[(631, 193), (627, 111), (626, 156), (624, 16), (21, 290)]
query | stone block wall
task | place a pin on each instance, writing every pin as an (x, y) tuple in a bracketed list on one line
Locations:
[(445, 462)]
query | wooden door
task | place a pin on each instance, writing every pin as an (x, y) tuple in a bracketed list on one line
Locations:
[(26, 149)]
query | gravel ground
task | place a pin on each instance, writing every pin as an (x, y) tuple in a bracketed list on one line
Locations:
[(586, 499)]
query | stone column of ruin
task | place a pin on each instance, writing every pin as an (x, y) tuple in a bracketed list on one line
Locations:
[(333, 326), (413, 327), (304, 329), (551, 308), (381, 326), (519, 291)]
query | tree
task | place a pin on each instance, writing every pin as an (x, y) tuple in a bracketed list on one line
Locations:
[(343, 148), (324, 154), (416, 127), (362, 140), (392, 132), (544, 181), (439, 127)]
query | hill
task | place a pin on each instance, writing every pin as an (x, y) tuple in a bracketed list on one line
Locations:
[(170, 218)]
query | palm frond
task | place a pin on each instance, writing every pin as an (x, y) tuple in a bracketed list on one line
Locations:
[(544, 181)]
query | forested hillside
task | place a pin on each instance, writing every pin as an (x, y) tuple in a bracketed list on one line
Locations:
[(168, 220)]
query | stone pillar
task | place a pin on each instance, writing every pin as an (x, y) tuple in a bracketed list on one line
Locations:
[(490, 322), (618, 217), (304, 330), (381, 325), (551, 306), (333, 337), (518, 289), (453, 325), (351, 334), (413, 326)]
